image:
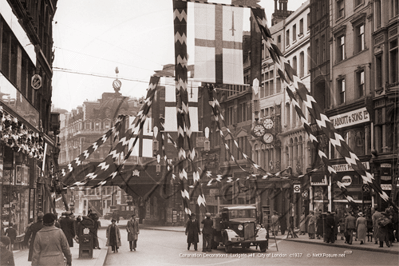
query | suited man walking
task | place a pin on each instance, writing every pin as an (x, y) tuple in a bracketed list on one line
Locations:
[(68, 227), (350, 226), (30, 234), (207, 232)]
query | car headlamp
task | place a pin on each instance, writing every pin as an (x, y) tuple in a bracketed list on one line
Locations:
[(240, 227)]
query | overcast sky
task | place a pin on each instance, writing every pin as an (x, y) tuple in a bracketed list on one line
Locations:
[(92, 37)]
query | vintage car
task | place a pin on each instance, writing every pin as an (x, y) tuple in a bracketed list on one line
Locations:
[(237, 226)]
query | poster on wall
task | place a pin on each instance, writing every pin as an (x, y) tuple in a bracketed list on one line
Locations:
[(25, 176), (18, 176), (8, 179)]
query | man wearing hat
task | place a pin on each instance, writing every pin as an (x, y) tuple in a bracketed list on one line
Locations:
[(50, 245), (207, 231), (132, 229), (30, 234), (192, 231), (68, 227)]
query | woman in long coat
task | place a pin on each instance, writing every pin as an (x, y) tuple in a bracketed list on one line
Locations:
[(311, 225), (132, 229), (192, 231), (113, 236), (361, 227)]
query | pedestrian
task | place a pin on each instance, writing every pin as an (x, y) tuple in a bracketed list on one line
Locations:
[(391, 229), (51, 246), (375, 217), (361, 227), (330, 228), (113, 236), (302, 224), (350, 227), (275, 223), (192, 231), (94, 229), (383, 225), (6, 256), (311, 224), (68, 227), (12, 234), (30, 235), (283, 224), (207, 232), (319, 225), (132, 229)]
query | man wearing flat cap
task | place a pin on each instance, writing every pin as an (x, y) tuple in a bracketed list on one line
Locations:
[(207, 231), (50, 246), (192, 231)]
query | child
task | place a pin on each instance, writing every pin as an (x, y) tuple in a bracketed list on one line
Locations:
[(6, 256)]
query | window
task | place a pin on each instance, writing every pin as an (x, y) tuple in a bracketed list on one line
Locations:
[(340, 9), (360, 38), (278, 85), (287, 38), (360, 83), (279, 41), (395, 8), (309, 61), (323, 49), (287, 114), (308, 20), (295, 64), (393, 58), (377, 14), (378, 71), (294, 33), (301, 64), (340, 48), (317, 48), (341, 90), (301, 27)]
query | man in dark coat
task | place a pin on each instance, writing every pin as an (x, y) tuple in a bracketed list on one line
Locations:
[(207, 231), (68, 227), (31, 234), (192, 231), (350, 226), (6, 256), (330, 228), (319, 225), (283, 224)]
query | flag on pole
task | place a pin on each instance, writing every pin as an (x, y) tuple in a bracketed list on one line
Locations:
[(218, 44)]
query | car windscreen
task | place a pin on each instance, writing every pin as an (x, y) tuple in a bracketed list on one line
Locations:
[(246, 213)]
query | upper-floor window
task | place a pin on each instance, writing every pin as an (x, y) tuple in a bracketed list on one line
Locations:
[(360, 83), (340, 8), (378, 71), (360, 38), (393, 61), (341, 90), (279, 41), (341, 48), (295, 65), (308, 20), (301, 64), (301, 26), (395, 7), (377, 13), (287, 38), (294, 33)]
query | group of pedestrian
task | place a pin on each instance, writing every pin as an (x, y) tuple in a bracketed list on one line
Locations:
[(385, 226), (114, 236), (193, 231), (278, 223)]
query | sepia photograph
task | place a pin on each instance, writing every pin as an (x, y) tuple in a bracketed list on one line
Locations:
[(199, 132)]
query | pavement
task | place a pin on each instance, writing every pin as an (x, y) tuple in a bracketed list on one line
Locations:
[(100, 255)]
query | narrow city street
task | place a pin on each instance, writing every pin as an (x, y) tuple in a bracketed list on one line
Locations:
[(169, 248)]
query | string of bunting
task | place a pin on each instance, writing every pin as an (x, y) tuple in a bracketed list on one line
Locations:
[(296, 87), (115, 130), (17, 136)]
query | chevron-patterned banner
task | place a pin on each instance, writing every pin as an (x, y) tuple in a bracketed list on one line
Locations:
[(296, 87), (93, 147)]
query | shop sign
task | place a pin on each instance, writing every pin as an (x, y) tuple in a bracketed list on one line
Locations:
[(351, 118), (297, 188), (347, 167), (346, 181), (386, 186), (386, 165), (322, 182), (386, 178)]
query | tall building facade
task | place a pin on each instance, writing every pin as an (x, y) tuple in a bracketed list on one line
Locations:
[(28, 148), (384, 89)]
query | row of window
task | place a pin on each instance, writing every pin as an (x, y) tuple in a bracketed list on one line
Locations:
[(359, 43), (359, 86), (292, 39)]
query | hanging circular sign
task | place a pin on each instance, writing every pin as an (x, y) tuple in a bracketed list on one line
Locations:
[(36, 82), (117, 84), (297, 188), (305, 194), (346, 181)]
